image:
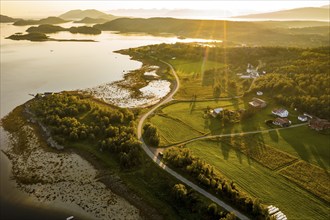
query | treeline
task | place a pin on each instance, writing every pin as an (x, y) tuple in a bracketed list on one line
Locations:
[(72, 118), (269, 59), (188, 198), (206, 175), (307, 92)]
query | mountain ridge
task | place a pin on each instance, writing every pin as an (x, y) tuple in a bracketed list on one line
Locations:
[(307, 13), (79, 14)]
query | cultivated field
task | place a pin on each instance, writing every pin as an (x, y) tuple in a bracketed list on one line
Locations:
[(270, 186)]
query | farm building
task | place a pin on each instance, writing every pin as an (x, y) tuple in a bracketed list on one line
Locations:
[(260, 93), (283, 122), (302, 118), (258, 103), (281, 112), (215, 112), (319, 124)]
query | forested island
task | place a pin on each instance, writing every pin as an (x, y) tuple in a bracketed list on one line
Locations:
[(36, 36), (49, 20), (48, 29)]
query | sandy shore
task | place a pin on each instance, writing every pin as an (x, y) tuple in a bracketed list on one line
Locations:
[(64, 179)]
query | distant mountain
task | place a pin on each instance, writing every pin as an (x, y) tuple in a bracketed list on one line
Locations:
[(90, 13), (6, 19), (293, 14), (89, 20), (174, 13), (49, 20), (325, 6)]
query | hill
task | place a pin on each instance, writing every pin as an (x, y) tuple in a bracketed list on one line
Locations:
[(49, 20), (89, 20), (6, 19), (325, 6), (293, 14), (82, 14), (239, 32)]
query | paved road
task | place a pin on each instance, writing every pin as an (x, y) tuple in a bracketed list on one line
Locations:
[(167, 169)]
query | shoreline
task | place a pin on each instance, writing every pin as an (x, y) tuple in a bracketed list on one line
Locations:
[(112, 182), (139, 88), (64, 177)]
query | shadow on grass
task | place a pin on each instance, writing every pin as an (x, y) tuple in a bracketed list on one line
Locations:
[(225, 148), (273, 135), (297, 144), (317, 157)]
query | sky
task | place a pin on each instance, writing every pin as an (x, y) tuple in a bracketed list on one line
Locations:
[(43, 8)]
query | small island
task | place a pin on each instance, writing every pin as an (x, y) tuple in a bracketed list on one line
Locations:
[(41, 37), (49, 20), (48, 29)]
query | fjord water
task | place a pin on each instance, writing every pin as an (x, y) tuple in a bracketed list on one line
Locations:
[(33, 67)]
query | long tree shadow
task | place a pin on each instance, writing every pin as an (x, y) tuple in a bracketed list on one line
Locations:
[(296, 143), (273, 135), (317, 156), (225, 148)]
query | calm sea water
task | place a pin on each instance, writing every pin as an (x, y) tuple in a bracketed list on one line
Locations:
[(32, 67)]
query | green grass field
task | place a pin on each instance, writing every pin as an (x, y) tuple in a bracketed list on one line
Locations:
[(194, 80), (261, 182), (172, 131), (193, 114)]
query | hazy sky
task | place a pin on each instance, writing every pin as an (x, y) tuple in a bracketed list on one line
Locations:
[(46, 8)]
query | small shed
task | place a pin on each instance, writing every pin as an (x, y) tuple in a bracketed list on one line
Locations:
[(260, 93), (302, 118)]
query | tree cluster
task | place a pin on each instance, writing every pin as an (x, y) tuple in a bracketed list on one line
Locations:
[(150, 135), (189, 199), (72, 118), (206, 175)]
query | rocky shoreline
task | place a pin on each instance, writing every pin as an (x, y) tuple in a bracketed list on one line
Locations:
[(62, 178)]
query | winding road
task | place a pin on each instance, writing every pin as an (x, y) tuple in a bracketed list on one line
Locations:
[(167, 169)]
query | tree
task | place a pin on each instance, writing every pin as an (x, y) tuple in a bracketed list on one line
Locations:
[(212, 209), (179, 191), (151, 134)]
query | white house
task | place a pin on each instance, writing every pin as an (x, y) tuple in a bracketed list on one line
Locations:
[(260, 93), (281, 112)]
